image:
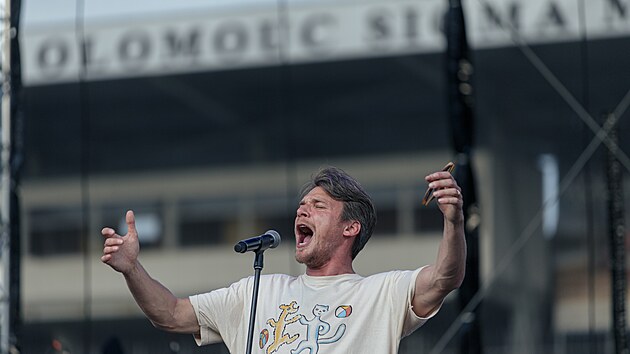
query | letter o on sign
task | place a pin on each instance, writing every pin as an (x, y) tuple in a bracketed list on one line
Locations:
[(230, 38), (52, 55), (135, 46)]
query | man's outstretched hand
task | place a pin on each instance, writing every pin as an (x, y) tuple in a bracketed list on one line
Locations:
[(448, 195), (121, 252)]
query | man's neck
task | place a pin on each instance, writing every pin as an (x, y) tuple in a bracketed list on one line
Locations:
[(330, 269)]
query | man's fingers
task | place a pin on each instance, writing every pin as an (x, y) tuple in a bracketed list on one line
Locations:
[(131, 223), (113, 241), (448, 200), (130, 219), (106, 258), (448, 192), (110, 249), (438, 175), (443, 183), (108, 232), (440, 181)]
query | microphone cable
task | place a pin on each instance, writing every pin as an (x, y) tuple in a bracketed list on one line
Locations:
[(84, 166)]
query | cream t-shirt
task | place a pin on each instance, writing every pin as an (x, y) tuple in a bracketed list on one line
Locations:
[(343, 314)]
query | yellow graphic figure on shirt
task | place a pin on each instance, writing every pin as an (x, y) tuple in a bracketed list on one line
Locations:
[(279, 337)]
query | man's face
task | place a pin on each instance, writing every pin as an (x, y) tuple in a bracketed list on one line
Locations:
[(318, 228)]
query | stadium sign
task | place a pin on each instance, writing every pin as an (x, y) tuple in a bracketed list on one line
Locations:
[(311, 32)]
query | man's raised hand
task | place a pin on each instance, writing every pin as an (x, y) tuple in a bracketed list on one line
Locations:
[(448, 195), (121, 252)]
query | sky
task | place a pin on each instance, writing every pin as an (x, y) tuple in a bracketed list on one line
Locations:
[(37, 12)]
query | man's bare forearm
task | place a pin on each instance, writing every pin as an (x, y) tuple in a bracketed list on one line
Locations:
[(436, 281), (450, 266), (163, 309)]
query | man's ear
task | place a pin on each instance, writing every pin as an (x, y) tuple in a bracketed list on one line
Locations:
[(352, 228)]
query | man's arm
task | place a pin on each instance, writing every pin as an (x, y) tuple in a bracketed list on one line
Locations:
[(165, 311), (436, 281)]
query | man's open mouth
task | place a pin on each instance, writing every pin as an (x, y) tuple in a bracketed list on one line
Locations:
[(304, 235)]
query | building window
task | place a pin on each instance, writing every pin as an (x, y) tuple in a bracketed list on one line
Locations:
[(386, 221), (207, 222), (55, 231), (282, 223), (428, 219), (201, 231)]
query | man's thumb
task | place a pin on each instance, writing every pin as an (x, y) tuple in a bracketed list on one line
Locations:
[(131, 223)]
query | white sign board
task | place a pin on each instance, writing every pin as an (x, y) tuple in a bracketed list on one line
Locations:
[(250, 36)]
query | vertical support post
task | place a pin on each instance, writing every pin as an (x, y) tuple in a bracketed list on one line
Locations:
[(5, 180), (617, 237), (460, 107)]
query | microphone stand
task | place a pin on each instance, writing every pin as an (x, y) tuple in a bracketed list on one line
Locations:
[(258, 266)]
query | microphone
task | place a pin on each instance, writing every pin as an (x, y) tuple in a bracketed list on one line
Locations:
[(270, 239)]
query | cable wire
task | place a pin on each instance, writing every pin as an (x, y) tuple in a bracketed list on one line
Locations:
[(285, 84), (84, 119), (566, 95), (588, 190)]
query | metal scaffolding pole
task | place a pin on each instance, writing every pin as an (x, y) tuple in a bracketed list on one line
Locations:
[(5, 181), (617, 240), (461, 116)]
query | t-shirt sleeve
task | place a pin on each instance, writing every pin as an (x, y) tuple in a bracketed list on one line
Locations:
[(218, 311), (413, 321)]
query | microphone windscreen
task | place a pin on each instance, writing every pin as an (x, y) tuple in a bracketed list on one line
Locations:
[(276, 238)]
